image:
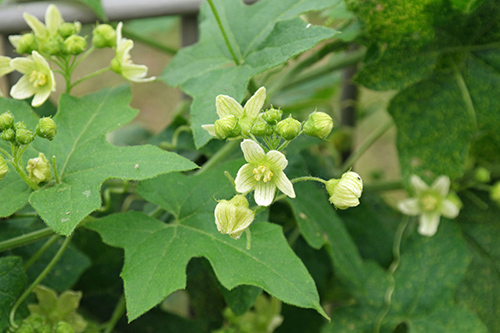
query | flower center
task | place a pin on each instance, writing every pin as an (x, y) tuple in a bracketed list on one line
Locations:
[(429, 202), (38, 79), (262, 172)]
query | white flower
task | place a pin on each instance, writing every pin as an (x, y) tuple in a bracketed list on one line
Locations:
[(122, 63), (38, 79), (430, 203), (233, 217), (53, 21), (346, 191), (5, 67), (263, 172), (228, 106)]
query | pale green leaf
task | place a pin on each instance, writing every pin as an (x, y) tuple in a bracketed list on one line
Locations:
[(263, 36)]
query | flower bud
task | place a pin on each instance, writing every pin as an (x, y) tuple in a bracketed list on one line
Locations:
[(74, 44), (346, 191), (288, 128), (272, 116), (39, 169), (261, 128), (26, 44), (46, 128), (24, 136), (52, 46), (20, 125), (482, 175), (63, 327), (319, 125), (233, 217), (227, 127), (495, 193), (6, 120), (3, 167), (67, 29), (8, 135), (104, 35)]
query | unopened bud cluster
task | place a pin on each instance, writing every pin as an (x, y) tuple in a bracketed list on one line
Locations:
[(19, 134)]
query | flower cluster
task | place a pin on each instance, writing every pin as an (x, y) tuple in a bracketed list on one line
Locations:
[(265, 135)]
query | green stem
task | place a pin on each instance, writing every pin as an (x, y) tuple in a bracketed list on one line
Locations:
[(24, 176), (219, 23), (148, 41), (117, 314), (86, 77), (396, 251), (40, 251), (248, 233), (3, 151), (311, 178), (219, 156), (365, 145), (54, 167), (384, 186), (25, 239), (37, 281), (82, 57)]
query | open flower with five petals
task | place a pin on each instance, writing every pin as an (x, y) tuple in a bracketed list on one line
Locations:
[(228, 107), (263, 173), (122, 63), (430, 203), (38, 79)]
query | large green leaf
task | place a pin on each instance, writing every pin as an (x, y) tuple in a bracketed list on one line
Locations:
[(263, 36), (156, 254), (84, 158), (96, 6), (12, 281)]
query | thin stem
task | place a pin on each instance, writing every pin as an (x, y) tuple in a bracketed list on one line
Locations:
[(249, 238), (86, 77), (40, 251), (37, 281), (396, 251), (365, 145), (82, 57), (305, 178), (117, 314), (384, 186), (24, 176), (54, 167), (219, 156), (219, 23), (230, 178), (25, 239), (149, 41), (3, 151)]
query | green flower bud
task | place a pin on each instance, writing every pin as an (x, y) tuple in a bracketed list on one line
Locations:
[(52, 46), (261, 128), (346, 191), (288, 128), (6, 120), (319, 125), (8, 135), (63, 327), (227, 127), (39, 169), (26, 44), (116, 66), (46, 128), (20, 125), (74, 44), (495, 193), (3, 167), (104, 35), (25, 329), (482, 175), (233, 217), (67, 29), (272, 116), (24, 136)]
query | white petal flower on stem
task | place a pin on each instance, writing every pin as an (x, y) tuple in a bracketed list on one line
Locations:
[(38, 79), (53, 21), (233, 217), (430, 203), (247, 115), (263, 173), (122, 63)]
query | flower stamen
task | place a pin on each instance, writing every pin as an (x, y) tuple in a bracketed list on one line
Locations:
[(38, 79), (262, 173)]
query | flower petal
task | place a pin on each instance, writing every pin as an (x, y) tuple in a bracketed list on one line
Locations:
[(136, 73), (277, 158), (418, 184), (5, 67), (119, 34), (40, 97), (245, 180), (442, 185), (23, 65), (23, 88), (41, 64), (210, 128), (228, 106), (14, 40), (449, 209), (255, 103), (409, 206), (428, 224), (252, 151), (36, 25), (283, 184), (53, 19), (264, 193)]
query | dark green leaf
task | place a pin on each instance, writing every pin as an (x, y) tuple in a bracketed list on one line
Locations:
[(12, 281)]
